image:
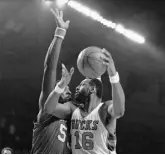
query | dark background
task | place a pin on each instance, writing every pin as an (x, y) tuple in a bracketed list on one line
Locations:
[(26, 30)]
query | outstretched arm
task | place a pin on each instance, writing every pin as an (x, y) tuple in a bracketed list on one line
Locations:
[(52, 106), (52, 56), (116, 107)]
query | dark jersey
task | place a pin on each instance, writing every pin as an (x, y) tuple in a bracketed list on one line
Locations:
[(51, 136)]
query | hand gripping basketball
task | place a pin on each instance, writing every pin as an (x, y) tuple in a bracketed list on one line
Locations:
[(66, 76), (108, 61), (89, 63)]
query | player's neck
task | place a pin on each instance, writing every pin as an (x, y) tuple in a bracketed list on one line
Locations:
[(93, 104)]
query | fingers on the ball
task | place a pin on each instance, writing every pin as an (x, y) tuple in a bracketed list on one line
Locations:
[(106, 53), (104, 50), (105, 63), (105, 59)]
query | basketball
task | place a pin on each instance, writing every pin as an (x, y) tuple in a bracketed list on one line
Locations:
[(89, 63)]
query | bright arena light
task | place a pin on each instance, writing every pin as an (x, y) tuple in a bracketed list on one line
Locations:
[(129, 34), (134, 36), (97, 17), (61, 3), (48, 2)]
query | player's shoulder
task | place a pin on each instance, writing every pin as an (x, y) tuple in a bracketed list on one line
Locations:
[(103, 111), (106, 104), (44, 119), (71, 106)]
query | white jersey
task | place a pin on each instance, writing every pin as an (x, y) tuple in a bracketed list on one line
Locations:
[(89, 135)]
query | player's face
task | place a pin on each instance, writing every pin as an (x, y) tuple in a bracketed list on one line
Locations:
[(84, 86), (82, 94), (66, 95)]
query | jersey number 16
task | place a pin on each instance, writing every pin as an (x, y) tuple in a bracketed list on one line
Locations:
[(87, 142)]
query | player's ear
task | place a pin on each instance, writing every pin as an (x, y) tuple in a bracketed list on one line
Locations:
[(93, 89)]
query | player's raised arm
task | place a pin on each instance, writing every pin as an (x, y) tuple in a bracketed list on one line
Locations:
[(116, 107), (52, 105), (51, 59)]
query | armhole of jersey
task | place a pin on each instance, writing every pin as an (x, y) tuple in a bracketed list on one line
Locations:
[(100, 105), (100, 114), (73, 108), (74, 112), (108, 115), (111, 107), (46, 118), (111, 148)]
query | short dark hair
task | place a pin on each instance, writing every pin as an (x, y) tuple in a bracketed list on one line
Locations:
[(6, 148), (99, 87)]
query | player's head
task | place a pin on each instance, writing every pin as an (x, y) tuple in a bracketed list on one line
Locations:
[(6, 150), (87, 90), (65, 96)]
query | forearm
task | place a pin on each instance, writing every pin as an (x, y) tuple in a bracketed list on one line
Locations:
[(118, 98), (52, 100), (52, 56), (51, 61)]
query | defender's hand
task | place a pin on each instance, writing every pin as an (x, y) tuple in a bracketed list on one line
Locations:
[(59, 18), (108, 61), (66, 76)]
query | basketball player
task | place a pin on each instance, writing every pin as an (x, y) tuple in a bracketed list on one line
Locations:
[(93, 127), (94, 123), (50, 133)]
